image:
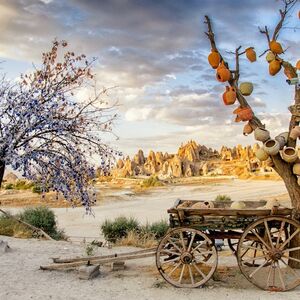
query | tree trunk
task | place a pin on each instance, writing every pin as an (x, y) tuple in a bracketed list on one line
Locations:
[(2, 169), (284, 169)]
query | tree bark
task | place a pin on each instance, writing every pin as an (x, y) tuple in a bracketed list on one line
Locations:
[(2, 169)]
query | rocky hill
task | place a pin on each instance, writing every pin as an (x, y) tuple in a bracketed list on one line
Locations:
[(193, 159)]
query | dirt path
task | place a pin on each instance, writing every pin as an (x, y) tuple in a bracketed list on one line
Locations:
[(21, 278)]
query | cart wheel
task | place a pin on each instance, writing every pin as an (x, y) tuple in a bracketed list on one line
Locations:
[(186, 257), (264, 251), (232, 244)]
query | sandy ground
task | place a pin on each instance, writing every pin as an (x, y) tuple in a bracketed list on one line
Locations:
[(21, 278)]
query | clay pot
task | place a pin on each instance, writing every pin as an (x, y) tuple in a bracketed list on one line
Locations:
[(238, 205), (271, 147), (251, 54), (289, 154), (285, 135), (276, 47), (261, 134), (229, 96), (243, 114), (214, 59), (295, 133), (247, 129), (298, 65), (298, 180), (223, 74), (296, 169), (288, 73), (281, 140), (261, 154), (246, 88), (270, 56), (274, 67)]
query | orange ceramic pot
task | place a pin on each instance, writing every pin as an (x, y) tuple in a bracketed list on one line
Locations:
[(274, 67), (251, 54), (276, 47), (223, 74), (229, 96), (243, 114), (214, 59)]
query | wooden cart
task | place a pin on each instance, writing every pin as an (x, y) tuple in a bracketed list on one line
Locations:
[(263, 240)]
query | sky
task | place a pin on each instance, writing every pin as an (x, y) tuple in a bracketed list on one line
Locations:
[(155, 55)]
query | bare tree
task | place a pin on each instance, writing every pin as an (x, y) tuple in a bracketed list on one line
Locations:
[(48, 131), (286, 143)]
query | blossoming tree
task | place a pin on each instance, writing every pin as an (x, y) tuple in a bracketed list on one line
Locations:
[(48, 132), (281, 152)]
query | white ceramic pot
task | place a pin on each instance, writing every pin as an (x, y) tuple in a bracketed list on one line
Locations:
[(281, 140), (285, 135), (261, 154), (296, 168), (272, 147), (289, 154), (246, 88), (261, 134)]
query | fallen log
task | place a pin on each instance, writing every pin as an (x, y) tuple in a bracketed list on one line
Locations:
[(91, 258), (98, 261), (48, 237)]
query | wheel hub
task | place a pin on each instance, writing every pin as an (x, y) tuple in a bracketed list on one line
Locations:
[(275, 254), (186, 257)]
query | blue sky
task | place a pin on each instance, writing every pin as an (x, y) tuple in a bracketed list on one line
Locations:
[(155, 52)]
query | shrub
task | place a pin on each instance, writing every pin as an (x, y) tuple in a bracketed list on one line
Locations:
[(224, 198), (9, 186), (151, 182), (37, 189), (117, 229), (23, 185), (11, 227), (43, 218), (158, 229)]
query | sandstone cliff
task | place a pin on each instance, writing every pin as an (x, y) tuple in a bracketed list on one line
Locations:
[(193, 159)]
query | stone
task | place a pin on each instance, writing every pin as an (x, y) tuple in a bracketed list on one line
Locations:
[(4, 248), (117, 265), (89, 272)]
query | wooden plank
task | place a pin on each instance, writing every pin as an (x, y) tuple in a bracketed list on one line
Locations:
[(92, 258), (188, 211), (66, 266)]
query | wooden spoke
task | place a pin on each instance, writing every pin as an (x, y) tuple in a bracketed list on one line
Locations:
[(183, 244), (256, 234), (291, 270), (290, 238), (280, 275), (271, 272), (279, 233), (291, 250), (258, 268), (175, 268), (191, 241), (181, 274), (191, 274), (199, 271), (182, 241), (268, 233), (292, 258), (170, 252)]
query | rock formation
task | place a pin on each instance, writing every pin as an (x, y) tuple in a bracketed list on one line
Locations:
[(193, 159)]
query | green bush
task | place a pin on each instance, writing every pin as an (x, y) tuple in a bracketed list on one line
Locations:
[(9, 186), (23, 185), (37, 189), (117, 229), (43, 218), (224, 198), (151, 182), (158, 229)]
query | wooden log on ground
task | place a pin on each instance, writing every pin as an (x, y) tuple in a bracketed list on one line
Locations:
[(99, 261), (92, 258)]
